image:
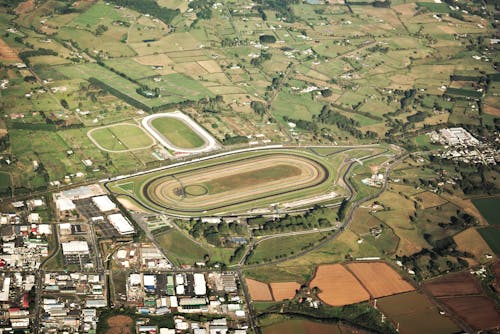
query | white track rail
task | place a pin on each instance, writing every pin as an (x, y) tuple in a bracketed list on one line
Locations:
[(209, 142)]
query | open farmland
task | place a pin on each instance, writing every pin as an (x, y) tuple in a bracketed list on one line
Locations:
[(489, 209), (338, 286), (7, 53), (453, 285), (414, 313), (492, 237), (471, 241), (479, 312), (379, 279), (284, 290), (259, 291)]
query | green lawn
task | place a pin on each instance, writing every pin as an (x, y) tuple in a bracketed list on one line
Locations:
[(180, 249), (492, 237), (177, 132)]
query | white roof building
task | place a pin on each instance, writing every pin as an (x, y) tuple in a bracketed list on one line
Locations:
[(4, 294), (65, 204), (135, 279), (200, 287), (103, 203), (121, 224), (75, 247), (149, 280)]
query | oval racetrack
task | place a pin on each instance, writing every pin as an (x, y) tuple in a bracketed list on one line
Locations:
[(235, 182)]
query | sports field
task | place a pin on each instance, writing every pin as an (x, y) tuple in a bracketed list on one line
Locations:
[(242, 181), (120, 138), (177, 132)]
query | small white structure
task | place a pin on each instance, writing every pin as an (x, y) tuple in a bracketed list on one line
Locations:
[(121, 224), (103, 203)]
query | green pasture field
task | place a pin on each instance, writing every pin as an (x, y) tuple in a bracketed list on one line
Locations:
[(131, 68), (97, 14), (179, 86), (106, 42), (139, 182), (182, 250), (177, 132), (489, 209), (5, 181), (435, 7), (121, 137), (276, 248), (123, 85), (295, 106), (492, 237)]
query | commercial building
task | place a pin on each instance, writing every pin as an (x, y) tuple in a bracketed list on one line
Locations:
[(200, 286), (76, 252), (121, 224), (103, 203)]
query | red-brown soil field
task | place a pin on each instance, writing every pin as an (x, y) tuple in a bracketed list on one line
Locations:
[(338, 286), (259, 290), (284, 290), (453, 285), (379, 279), (478, 311)]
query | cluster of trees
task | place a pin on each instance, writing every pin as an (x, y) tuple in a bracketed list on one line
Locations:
[(24, 55), (101, 29), (259, 107), (445, 247), (282, 8), (330, 116), (203, 8), (149, 7), (314, 218), (264, 55), (215, 233), (233, 140), (302, 124)]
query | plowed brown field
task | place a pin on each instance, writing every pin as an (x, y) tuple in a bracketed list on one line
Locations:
[(259, 290), (6, 52), (478, 311), (284, 290), (379, 279), (338, 286), (453, 285)]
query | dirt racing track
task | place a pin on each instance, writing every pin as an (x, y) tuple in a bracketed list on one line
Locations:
[(209, 142), (235, 182)]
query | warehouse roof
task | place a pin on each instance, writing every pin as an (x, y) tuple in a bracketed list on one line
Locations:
[(103, 203), (121, 224)]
